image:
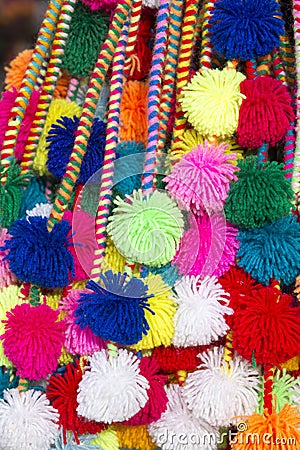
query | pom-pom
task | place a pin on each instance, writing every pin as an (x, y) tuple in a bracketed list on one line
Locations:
[(9, 298), (62, 393), (85, 442), (40, 210), (171, 359), (61, 139), (211, 102), (200, 181), (87, 32), (8, 380), (151, 3), (129, 166), (272, 251), (219, 394), (271, 431), (81, 341), (6, 105), (113, 390), (208, 247), (39, 256), (146, 230), (33, 340), (27, 421), (117, 311), (245, 29), (202, 306), (267, 327), (57, 109), (34, 195), (6, 276), (265, 113), (160, 314), (157, 402), (260, 195), (178, 422), (142, 49), (95, 5), (136, 437), (133, 112), (107, 440)]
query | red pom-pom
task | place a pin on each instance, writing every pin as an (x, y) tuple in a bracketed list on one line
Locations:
[(157, 402), (142, 48), (62, 393), (267, 327), (265, 113), (33, 340), (171, 359)]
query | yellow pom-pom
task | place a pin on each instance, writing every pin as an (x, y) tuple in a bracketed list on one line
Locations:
[(211, 102), (53, 298), (107, 440), (270, 431), (58, 108), (161, 323), (9, 298), (134, 437), (65, 357), (113, 259)]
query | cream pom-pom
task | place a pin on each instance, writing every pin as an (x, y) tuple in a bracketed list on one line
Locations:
[(112, 388), (202, 306), (40, 210), (211, 102), (27, 421), (219, 395), (179, 429)]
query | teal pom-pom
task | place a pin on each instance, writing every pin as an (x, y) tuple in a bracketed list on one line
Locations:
[(8, 380), (260, 195)]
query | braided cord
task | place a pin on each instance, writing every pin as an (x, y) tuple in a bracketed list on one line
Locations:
[(228, 350), (154, 96), (132, 36), (88, 114), (72, 89), (187, 39), (268, 387), (35, 66), (206, 47), (288, 59), (52, 75), (112, 132), (263, 65)]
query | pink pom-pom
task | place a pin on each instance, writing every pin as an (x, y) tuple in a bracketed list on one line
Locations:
[(78, 341), (157, 402), (95, 5), (33, 340), (6, 276), (200, 180), (265, 113), (208, 247), (6, 104)]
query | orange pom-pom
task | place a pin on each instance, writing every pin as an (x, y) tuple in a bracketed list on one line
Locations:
[(270, 431), (133, 112)]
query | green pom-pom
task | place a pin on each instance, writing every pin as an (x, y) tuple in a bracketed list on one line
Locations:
[(88, 30), (261, 195), (148, 230), (284, 386)]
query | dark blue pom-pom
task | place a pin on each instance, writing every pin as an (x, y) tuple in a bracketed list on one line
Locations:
[(129, 167), (272, 251), (245, 29), (61, 139), (38, 256), (117, 311)]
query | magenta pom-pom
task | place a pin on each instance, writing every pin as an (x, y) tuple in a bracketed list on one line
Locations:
[(200, 180), (6, 276), (78, 341), (33, 340), (95, 5), (208, 247)]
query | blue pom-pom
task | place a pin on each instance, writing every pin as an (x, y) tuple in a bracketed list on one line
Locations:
[(272, 251), (38, 256), (129, 167), (61, 139), (245, 29), (117, 311), (7, 381)]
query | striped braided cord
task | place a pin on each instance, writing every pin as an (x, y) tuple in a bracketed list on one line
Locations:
[(132, 36), (206, 47), (36, 65), (263, 65), (112, 133), (288, 58), (72, 89), (268, 387), (154, 93), (52, 75), (296, 168), (86, 121), (228, 350), (187, 39), (278, 68), (251, 67)]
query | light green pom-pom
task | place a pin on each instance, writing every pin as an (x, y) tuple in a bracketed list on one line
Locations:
[(107, 440), (148, 230), (283, 391)]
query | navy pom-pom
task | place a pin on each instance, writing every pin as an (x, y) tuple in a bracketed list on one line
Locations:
[(38, 256), (61, 139), (245, 29), (272, 251), (117, 311)]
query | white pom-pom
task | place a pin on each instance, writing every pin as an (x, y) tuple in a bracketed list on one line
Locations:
[(40, 210), (113, 390), (202, 305), (218, 395), (151, 3), (27, 421), (179, 429)]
